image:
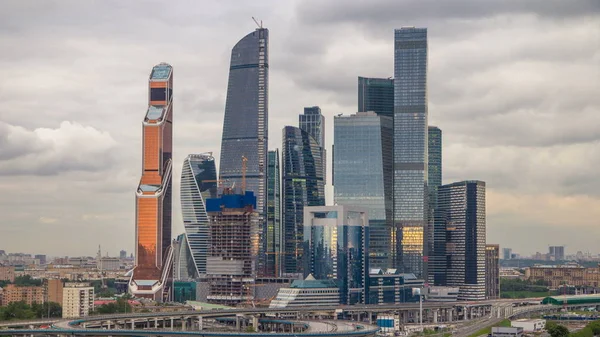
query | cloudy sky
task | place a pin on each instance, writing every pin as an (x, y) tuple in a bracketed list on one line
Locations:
[(513, 84)]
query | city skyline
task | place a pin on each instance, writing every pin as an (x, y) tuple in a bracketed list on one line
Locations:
[(536, 179)]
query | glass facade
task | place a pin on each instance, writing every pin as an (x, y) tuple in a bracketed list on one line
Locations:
[(434, 180), (313, 122), (153, 196), (184, 267), (245, 126), (198, 183), (376, 94), (363, 171), (460, 229), (336, 241), (273, 241), (303, 185), (410, 211)]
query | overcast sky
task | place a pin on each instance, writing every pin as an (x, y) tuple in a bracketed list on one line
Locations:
[(513, 84)]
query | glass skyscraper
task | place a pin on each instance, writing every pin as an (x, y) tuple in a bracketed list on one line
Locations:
[(460, 225), (313, 122), (153, 196), (336, 240), (303, 185), (363, 175), (184, 267), (376, 94), (273, 239), (434, 179), (410, 149), (245, 127), (198, 183)]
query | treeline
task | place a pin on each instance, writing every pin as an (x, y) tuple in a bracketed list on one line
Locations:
[(521, 285), (120, 306), (556, 330), (25, 280), (21, 311)]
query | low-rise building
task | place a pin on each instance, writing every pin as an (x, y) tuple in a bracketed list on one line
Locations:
[(529, 325), (567, 274), (78, 300), (441, 294), (7, 273), (12, 293), (308, 293), (499, 331)]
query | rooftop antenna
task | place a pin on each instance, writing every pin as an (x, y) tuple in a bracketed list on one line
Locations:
[(258, 24)]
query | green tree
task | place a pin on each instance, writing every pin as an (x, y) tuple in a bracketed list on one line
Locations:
[(557, 330), (16, 310), (49, 308), (27, 280), (119, 306)]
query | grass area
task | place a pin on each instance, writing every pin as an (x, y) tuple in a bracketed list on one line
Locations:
[(525, 294), (488, 330)]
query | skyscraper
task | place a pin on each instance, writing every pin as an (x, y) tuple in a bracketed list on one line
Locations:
[(245, 127), (313, 122), (376, 94), (363, 171), (198, 183), (434, 180), (410, 149), (184, 267), (303, 185), (492, 272), (336, 242), (153, 197), (273, 238), (460, 227)]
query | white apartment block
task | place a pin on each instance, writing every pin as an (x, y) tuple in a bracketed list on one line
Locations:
[(78, 300)]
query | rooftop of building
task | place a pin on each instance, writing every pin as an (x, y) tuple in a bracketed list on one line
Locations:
[(311, 282), (572, 299), (161, 71)]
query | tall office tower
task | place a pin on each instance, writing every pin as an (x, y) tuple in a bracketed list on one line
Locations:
[(492, 272), (303, 185), (184, 267), (313, 122), (363, 171), (376, 94), (460, 219), (153, 254), (336, 242), (410, 149), (556, 253), (233, 251), (434, 180), (198, 183), (506, 253), (273, 239)]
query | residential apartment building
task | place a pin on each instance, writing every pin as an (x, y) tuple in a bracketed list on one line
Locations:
[(29, 295), (7, 273), (569, 274), (78, 300), (492, 271), (54, 290)]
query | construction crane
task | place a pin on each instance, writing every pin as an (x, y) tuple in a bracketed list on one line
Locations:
[(244, 166)]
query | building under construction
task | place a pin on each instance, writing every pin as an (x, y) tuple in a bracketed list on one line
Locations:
[(233, 247)]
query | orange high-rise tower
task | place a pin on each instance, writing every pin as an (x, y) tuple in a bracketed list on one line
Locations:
[(153, 256)]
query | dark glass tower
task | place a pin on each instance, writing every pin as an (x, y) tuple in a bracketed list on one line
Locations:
[(313, 122), (410, 149), (434, 179), (460, 236), (273, 239), (303, 185), (376, 94), (363, 171), (198, 183), (245, 127)]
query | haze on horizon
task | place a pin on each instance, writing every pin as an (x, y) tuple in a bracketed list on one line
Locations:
[(513, 85)]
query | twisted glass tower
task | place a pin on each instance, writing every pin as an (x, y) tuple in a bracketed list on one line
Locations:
[(153, 255), (245, 127), (198, 183), (410, 149)]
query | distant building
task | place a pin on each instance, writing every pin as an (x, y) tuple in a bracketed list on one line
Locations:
[(499, 331), (78, 300), (109, 263), (54, 290), (336, 242), (529, 325), (28, 294), (231, 263), (363, 161), (492, 272), (184, 267), (41, 258), (441, 294), (556, 253), (122, 254), (389, 286), (460, 234), (376, 94), (434, 181), (7, 273), (569, 274), (507, 253), (309, 292)]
